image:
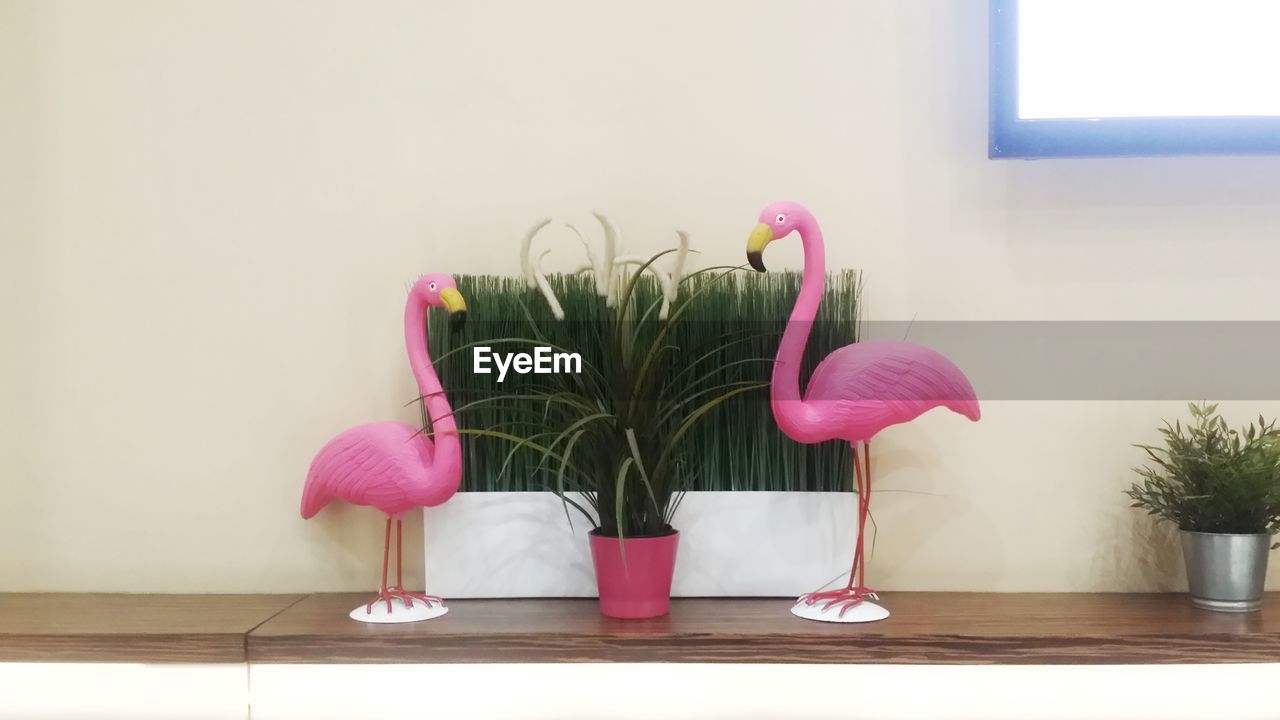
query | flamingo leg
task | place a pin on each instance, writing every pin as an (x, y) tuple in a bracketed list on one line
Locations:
[(856, 590), (864, 511), (383, 594), (399, 551), (859, 563), (398, 590)]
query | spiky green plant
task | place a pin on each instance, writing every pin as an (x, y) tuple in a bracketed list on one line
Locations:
[(1211, 478), (721, 343)]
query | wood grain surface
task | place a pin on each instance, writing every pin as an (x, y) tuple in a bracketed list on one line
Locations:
[(132, 628), (943, 628)]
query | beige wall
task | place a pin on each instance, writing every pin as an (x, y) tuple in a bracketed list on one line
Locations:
[(211, 209)]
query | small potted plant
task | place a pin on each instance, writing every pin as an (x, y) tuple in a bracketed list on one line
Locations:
[(612, 435), (1222, 488)]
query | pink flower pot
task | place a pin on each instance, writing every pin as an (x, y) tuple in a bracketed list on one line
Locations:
[(640, 588)]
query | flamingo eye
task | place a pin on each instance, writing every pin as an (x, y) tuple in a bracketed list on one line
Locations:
[(432, 287), (781, 218)]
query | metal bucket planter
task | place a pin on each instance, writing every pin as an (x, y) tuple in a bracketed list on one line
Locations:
[(1226, 573)]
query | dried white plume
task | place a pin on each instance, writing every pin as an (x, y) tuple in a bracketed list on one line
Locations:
[(605, 267)]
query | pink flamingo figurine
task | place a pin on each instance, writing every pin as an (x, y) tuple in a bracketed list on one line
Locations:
[(393, 466), (854, 393)]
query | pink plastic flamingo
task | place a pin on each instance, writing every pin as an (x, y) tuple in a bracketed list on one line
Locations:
[(393, 466), (856, 391)]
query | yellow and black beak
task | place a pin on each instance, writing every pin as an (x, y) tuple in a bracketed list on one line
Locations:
[(761, 236), (456, 307)]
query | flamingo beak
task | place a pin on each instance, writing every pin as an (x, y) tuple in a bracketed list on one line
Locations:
[(456, 306), (762, 235)]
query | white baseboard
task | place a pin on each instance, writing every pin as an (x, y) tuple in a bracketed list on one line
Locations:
[(138, 691), (777, 692)]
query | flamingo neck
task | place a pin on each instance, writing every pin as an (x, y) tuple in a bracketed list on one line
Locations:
[(446, 468), (786, 370)]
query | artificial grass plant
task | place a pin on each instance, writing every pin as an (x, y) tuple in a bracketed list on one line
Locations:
[(722, 342)]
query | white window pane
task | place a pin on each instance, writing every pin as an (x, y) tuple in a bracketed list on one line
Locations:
[(1148, 58)]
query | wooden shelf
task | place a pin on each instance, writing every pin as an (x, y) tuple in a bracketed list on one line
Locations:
[(41, 627), (945, 628), (942, 628)]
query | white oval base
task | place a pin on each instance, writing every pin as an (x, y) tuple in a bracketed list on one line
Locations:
[(399, 613), (865, 611)]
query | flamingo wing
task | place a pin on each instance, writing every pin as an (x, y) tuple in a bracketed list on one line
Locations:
[(863, 388), (378, 464)]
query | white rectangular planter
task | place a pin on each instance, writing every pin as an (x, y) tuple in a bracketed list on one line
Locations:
[(494, 545)]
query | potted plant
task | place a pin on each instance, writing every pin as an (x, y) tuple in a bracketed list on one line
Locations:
[(1222, 488), (746, 486), (610, 436)]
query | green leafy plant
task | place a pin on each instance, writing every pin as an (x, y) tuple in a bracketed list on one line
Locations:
[(654, 409), (736, 447), (1211, 478)]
